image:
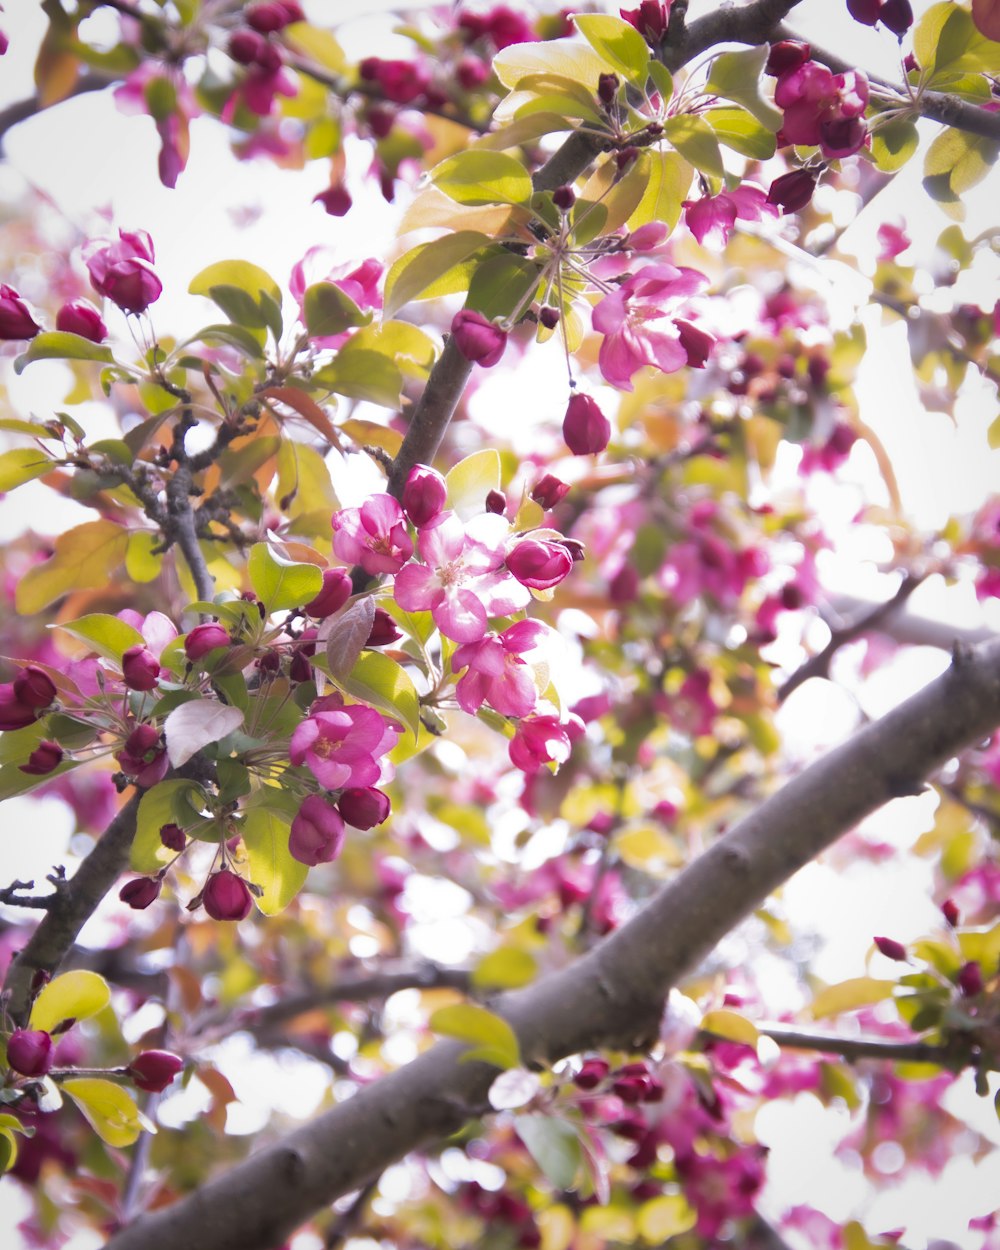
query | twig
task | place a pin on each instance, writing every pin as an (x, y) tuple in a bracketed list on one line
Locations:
[(819, 664), (11, 896), (346, 1222), (854, 1048)]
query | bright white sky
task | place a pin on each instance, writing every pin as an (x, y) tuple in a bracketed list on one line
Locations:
[(96, 169)]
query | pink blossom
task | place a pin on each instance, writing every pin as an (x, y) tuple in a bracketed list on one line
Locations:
[(461, 582), (541, 740), (540, 564), (342, 747), (317, 832), (823, 108), (82, 318), (479, 340), (123, 271), (714, 216), (586, 430), (892, 240), (16, 321), (497, 674), (721, 1189), (358, 282), (650, 19), (373, 535), (622, 316), (709, 566)]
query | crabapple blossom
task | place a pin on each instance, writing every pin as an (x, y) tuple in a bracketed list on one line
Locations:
[(43, 759), (548, 491), (402, 82), (359, 282), (123, 272), (337, 589), (29, 1051), (792, 191), (384, 630), (227, 896), (424, 495), (373, 535), (342, 747), (153, 1070), (82, 318), (497, 674), (822, 108), (16, 321), (539, 564), (140, 892), (364, 807), (477, 339), (140, 668), (650, 19), (205, 638), (540, 740), (714, 216), (586, 430), (317, 832)]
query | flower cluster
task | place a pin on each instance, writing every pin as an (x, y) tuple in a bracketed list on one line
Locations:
[(822, 108)]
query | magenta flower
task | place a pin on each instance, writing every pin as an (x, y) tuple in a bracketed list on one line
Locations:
[(373, 535), (317, 833), (623, 317), (650, 20), (424, 495), (364, 807), (402, 82), (227, 896), (539, 564), (123, 272), (462, 583), (16, 322), (143, 756), (336, 591), (153, 1070), (268, 16), (82, 318), (823, 108), (541, 740), (46, 757), (29, 1051), (140, 892), (892, 241), (793, 190), (478, 339), (497, 674), (140, 668), (586, 430), (205, 638), (714, 216), (342, 747)]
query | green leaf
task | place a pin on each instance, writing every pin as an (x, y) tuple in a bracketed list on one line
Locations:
[(272, 867), (955, 162), (849, 995), (993, 434), (946, 39), (694, 138), (665, 1216), (668, 182), (730, 1025), (377, 679), (59, 345), (237, 286), (618, 43), (106, 634), (72, 996), (280, 583), (491, 1037), (505, 969), (415, 271), (110, 1109), (174, 802), (736, 76), (501, 284), (363, 374), (742, 132), (893, 144), (554, 1145), (142, 562), (329, 310), (529, 128), (471, 480), (575, 61), (195, 724), (84, 558), (22, 465), (478, 176)]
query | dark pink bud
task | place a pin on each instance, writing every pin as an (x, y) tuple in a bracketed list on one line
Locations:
[(477, 339), (153, 1070), (173, 837), (336, 200), (950, 912), (123, 273), (785, 56), (471, 72), (205, 638), (865, 11), (792, 191), (140, 892), (247, 47), (625, 157), (142, 739), (300, 669), (549, 490), (4, 43), (337, 589), (16, 322), (650, 20), (575, 548), (29, 1051), (380, 122), (227, 896), (549, 317), (624, 586), (897, 15), (34, 687), (591, 1074), (496, 502), (891, 948), (317, 833), (13, 713), (911, 64), (564, 197), (696, 342), (970, 979), (539, 564), (82, 318), (140, 668), (271, 15), (43, 759), (364, 807), (586, 429), (384, 630), (607, 88), (424, 495)]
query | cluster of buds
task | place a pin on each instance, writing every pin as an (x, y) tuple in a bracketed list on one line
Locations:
[(895, 15), (821, 109), (30, 1053)]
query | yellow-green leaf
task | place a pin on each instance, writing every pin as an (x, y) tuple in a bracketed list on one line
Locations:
[(377, 679), (410, 276), (736, 76), (664, 1217), (616, 42), (893, 144), (554, 1145), (471, 480), (173, 802), (328, 310), (110, 1109), (479, 176), (21, 465), (647, 848), (850, 995), (240, 274), (105, 634), (668, 182), (730, 1025), (505, 969), (576, 61), (280, 583), (142, 561), (84, 557), (272, 866), (742, 132), (60, 345), (492, 1038), (72, 996), (695, 139)]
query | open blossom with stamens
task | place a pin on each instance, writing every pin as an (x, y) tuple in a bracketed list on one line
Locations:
[(823, 108), (714, 216), (342, 747), (373, 535), (627, 317), (543, 740), (497, 673), (462, 583)]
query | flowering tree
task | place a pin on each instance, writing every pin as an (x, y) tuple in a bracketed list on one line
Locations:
[(551, 679)]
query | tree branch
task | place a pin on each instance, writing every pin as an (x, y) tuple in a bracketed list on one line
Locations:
[(611, 996), (854, 1048), (71, 907), (753, 24)]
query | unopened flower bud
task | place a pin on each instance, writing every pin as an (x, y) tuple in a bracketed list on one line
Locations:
[(364, 807), (792, 191), (16, 321), (564, 197), (384, 630), (82, 318), (336, 200), (13, 713), (140, 668), (970, 979), (29, 1051), (34, 688), (549, 317), (337, 589), (950, 912), (140, 892), (300, 669), (153, 1070), (227, 896), (43, 759), (247, 47), (607, 87), (205, 638), (269, 16), (591, 1074), (424, 495), (548, 491), (890, 948), (897, 16), (317, 832), (696, 342), (625, 157), (785, 56), (496, 502), (866, 12), (586, 429), (478, 339), (173, 837), (539, 564)]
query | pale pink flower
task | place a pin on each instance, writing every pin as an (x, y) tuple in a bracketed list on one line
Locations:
[(714, 216), (374, 535), (497, 674), (342, 747)]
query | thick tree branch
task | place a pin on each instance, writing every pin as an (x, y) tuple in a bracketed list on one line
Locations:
[(71, 908), (611, 996), (753, 24)]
